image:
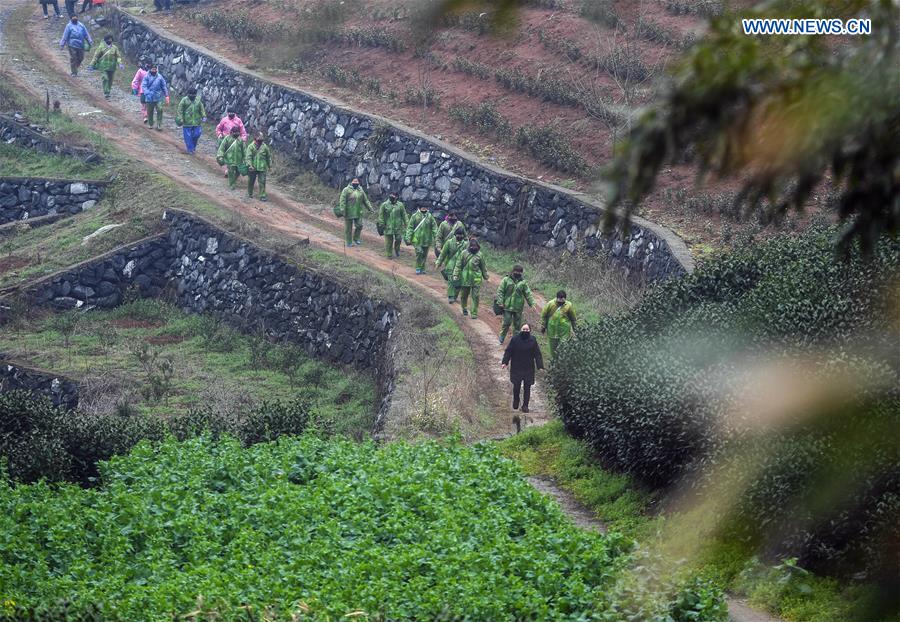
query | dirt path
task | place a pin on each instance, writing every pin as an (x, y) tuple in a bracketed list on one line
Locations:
[(44, 67)]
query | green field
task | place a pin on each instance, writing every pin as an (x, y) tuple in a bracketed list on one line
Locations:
[(151, 358), (332, 529)]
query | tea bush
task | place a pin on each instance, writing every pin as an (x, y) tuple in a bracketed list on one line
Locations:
[(560, 45), (329, 529), (703, 8), (550, 147), (600, 11), (40, 441), (485, 118), (546, 86), (472, 68), (649, 390)]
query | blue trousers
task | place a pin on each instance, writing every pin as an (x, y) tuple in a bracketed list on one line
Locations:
[(191, 137)]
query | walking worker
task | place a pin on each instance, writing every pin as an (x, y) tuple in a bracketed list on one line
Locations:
[(223, 129), (350, 206), (392, 221), (511, 297), (232, 154), (446, 231), (450, 254), (106, 59), (558, 321), (78, 39), (522, 356), (155, 92), (420, 232), (470, 271), (259, 160), (53, 3), (190, 116), (137, 84)]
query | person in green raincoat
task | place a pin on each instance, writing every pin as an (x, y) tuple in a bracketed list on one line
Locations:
[(420, 232), (106, 59), (232, 154), (350, 206), (511, 297), (259, 160), (446, 231), (558, 321), (470, 272), (190, 117), (450, 253), (392, 220)]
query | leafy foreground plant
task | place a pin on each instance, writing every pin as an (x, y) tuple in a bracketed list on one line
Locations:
[(325, 528)]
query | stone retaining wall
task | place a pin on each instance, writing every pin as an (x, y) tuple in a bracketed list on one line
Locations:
[(23, 198), (207, 270), (17, 131), (339, 143), (61, 390)]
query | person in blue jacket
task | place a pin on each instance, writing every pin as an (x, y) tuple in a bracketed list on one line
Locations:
[(79, 40), (155, 91)]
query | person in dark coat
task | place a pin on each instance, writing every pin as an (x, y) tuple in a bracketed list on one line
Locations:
[(522, 356)]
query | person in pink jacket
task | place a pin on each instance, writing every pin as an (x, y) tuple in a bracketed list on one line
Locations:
[(143, 68), (223, 129)]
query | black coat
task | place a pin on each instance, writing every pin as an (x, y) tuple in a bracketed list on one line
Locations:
[(523, 355)]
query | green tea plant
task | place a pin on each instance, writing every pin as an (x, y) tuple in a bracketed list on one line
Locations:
[(485, 118), (560, 45), (544, 85), (340, 76), (653, 393), (703, 8), (550, 147), (324, 528), (600, 11), (425, 96), (373, 37), (472, 68)]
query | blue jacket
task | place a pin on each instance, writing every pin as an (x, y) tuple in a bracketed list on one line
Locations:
[(154, 88), (75, 36)]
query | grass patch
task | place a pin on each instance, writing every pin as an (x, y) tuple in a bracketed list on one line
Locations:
[(151, 358), (783, 589), (550, 452), (19, 162)]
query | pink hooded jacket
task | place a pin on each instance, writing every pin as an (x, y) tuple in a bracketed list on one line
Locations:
[(138, 79), (225, 125)]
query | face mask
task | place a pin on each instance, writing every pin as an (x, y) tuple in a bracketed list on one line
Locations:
[(525, 334), (394, 200), (423, 211), (355, 186), (517, 277), (451, 219), (560, 302), (153, 73), (473, 249), (258, 141), (231, 115), (192, 97)]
